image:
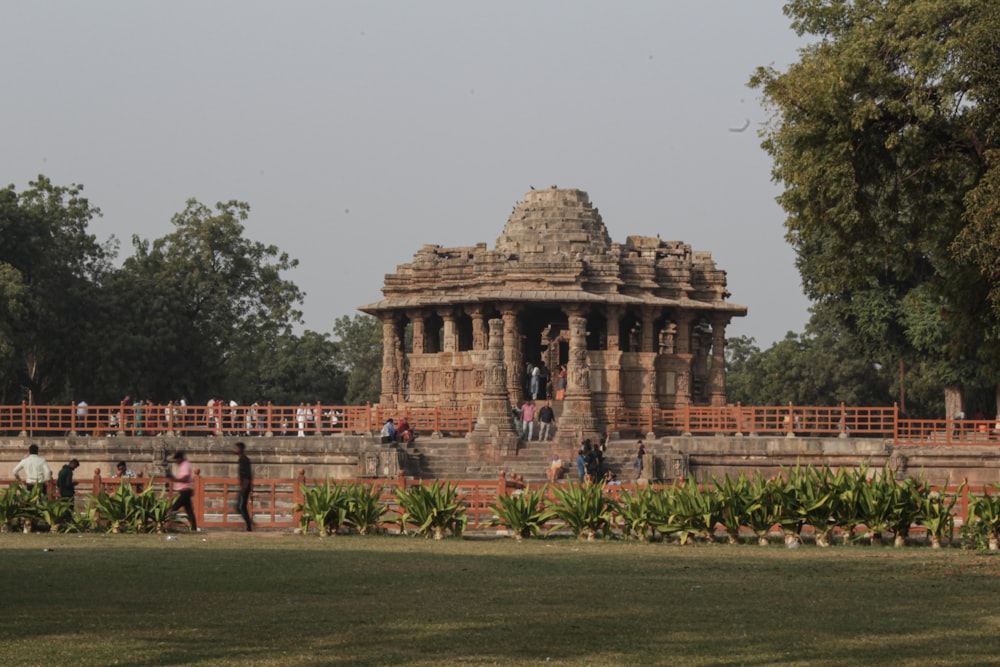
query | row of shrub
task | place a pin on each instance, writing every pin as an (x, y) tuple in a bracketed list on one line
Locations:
[(123, 510), (854, 505)]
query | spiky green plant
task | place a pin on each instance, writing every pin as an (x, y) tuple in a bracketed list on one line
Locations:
[(764, 509), (524, 513), (10, 507), (434, 509), (114, 510), (907, 506), (936, 513), (981, 529), (54, 512), (737, 497), (325, 505), (698, 509), (364, 507), (584, 509), (32, 509), (638, 512)]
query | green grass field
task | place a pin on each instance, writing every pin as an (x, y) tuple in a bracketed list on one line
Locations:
[(256, 599)]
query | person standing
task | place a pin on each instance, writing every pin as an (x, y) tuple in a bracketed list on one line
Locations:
[(65, 483), (581, 466), (639, 455), (546, 417), (245, 473), (183, 478), (36, 469), (527, 418)]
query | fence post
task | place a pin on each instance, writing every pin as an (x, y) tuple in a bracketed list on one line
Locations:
[(502, 484), (199, 497), (25, 427), (687, 419), (96, 488)]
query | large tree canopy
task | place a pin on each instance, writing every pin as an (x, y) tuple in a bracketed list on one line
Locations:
[(884, 138), (50, 268)]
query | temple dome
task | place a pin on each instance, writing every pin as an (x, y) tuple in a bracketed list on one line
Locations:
[(554, 222)]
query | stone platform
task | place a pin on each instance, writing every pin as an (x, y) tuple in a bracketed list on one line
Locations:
[(349, 457)]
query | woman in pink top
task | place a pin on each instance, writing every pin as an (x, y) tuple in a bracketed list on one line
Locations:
[(184, 486)]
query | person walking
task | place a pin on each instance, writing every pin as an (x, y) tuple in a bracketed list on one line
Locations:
[(67, 486), (36, 469), (546, 417), (65, 483), (183, 480), (245, 473), (639, 455), (527, 419)]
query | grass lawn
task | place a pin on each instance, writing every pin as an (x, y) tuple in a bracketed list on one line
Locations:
[(256, 599)]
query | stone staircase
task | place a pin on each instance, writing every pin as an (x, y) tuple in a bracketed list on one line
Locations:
[(451, 459)]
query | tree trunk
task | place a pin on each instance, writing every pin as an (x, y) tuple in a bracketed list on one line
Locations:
[(953, 400), (935, 541)]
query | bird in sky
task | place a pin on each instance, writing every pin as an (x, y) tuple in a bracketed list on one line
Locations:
[(741, 129)]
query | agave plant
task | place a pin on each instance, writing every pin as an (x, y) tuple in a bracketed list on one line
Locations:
[(936, 513), (523, 513), (639, 512), (906, 508), (53, 512), (10, 507), (364, 507), (435, 510), (764, 509), (698, 509), (982, 523), (873, 499), (33, 509), (149, 511), (815, 496), (583, 509), (325, 505), (114, 510), (737, 497)]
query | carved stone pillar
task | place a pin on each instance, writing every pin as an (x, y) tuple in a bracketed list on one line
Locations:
[(718, 370), (683, 357), (478, 327), (450, 342), (392, 356), (577, 421), (513, 352), (419, 334), (495, 422), (614, 356), (648, 348), (648, 335)]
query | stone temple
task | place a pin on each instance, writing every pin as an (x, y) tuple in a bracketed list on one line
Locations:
[(639, 324)]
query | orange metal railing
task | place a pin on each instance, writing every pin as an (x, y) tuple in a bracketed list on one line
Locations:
[(318, 419)]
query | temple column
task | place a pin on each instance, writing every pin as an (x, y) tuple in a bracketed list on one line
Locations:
[(495, 422), (684, 321), (614, 355), (419, 332), (647, 348), (446, 360), (577, 422), (450, 342), (718, 370), (513, 352), (392, 371), (479, 338)]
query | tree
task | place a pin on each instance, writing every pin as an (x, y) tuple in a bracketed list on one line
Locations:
[(818, 367), (299, 369), (50, 272), (884, 137), (359, 354), (199, 308)]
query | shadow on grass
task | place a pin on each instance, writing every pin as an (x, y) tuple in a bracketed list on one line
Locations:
[(285, 600)]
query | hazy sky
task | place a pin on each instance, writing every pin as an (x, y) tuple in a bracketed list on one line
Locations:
[(359, 131)]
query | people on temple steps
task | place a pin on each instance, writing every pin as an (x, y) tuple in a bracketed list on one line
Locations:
[(546, 417), (527, 419), (388, 432)]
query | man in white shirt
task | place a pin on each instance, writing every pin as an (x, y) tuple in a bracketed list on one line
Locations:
[(36, 469)]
